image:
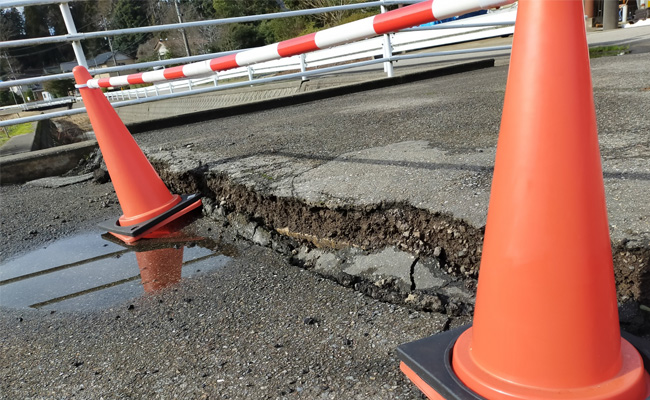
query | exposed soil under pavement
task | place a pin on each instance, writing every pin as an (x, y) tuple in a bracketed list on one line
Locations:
[(455, 245)]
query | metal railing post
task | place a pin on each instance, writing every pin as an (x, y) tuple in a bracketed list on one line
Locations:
[(303, 65), (155, 87), (189, 85), (250, 73), (388, 50), (72, 30), (215, 79)]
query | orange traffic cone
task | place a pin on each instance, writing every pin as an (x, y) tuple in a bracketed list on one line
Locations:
[(146, 202), (160, 268), (546, 321)]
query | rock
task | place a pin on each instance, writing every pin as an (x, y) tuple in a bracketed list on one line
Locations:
[(437, 251), (242, 225), (262, 236), (208, 206), (426, 302), (386, 264), (453, 309), (328, 264), (308, 257), (423, 278), (101, 176)]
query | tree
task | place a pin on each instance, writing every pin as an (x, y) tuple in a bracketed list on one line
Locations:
[(36, 21), (277, 30), (40, 22), (329, 19), (59, 88), (229, 8), (203, 8), (129, 14), (253, 34), (203, 39), (243, 35), (12, 25), (87, 18), (11, 28)]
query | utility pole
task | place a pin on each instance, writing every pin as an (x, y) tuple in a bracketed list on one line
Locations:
[(13, 74), (180, 21), (610, 14), (110, 46)]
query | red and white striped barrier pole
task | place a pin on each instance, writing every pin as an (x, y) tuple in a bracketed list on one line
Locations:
[(391, 21)]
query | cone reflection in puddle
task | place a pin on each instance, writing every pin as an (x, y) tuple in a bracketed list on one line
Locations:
[(160, 268), (89, 272)]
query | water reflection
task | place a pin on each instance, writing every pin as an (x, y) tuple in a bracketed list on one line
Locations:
[(160, 268), (89, 272)]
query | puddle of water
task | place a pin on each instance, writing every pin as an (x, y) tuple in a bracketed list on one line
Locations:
[(89, 271)]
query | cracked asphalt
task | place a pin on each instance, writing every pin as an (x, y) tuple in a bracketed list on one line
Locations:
[(435, 133)]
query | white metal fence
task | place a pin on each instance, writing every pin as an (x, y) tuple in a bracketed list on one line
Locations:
[(378, 49)]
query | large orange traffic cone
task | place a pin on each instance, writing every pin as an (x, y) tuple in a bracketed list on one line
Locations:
[(146, 202), (546, 321)]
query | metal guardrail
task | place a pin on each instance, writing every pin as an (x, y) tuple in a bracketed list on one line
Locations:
[(298, 64), (75, 37), (297, 75), (59, 101), (346, 53)]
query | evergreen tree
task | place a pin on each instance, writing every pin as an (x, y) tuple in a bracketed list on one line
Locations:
[(59, 88), (129, 14), (11, 28), (243, 35), (36, 21), (239, 8), (39, 23), (87, 19)]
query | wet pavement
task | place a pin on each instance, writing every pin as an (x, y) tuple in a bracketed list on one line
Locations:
[(89, 272)]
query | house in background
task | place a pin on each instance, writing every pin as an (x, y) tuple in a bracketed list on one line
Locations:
[(108, 59), (161, 49), (29, 92)]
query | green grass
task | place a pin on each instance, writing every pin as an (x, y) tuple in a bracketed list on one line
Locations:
[(607, 51), (14, 130)]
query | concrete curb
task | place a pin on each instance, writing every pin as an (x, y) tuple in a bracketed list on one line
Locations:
[(20, 168), (305, 97)]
